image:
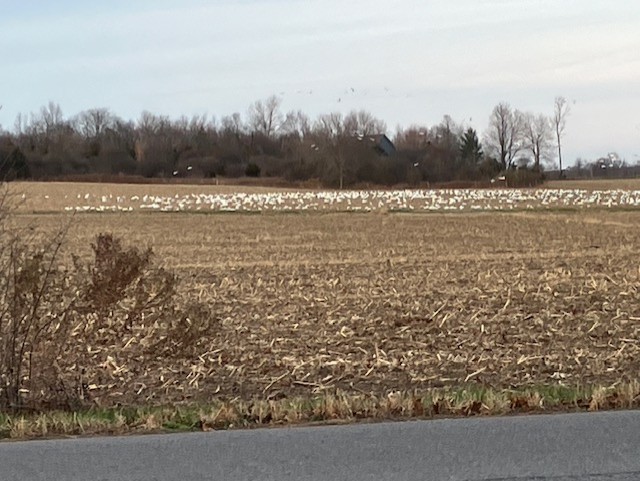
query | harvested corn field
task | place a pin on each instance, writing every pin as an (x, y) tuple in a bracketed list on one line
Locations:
[(372, 304)]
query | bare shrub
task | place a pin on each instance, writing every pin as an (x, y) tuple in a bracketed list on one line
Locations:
[(49, 312), (524, 177), (36, 311), (124, 286), (113, 271), (127, 292)]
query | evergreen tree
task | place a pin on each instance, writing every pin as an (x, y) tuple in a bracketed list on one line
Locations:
[(470, 148)]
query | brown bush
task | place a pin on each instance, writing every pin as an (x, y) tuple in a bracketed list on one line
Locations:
[(49, 312), (524, 178), (36, 312), (113, 271)]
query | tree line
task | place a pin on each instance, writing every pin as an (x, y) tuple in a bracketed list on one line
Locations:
[(334, 149)]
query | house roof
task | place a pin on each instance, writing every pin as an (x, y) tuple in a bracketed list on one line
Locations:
[(380, 142)]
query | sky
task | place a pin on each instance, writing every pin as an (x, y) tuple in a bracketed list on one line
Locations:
[(406, 61)]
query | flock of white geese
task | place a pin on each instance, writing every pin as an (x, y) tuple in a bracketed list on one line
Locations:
[(364, 201)]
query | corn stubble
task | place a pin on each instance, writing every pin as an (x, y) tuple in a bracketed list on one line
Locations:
[(287, 319)]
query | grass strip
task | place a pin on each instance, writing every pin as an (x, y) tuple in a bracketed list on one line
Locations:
[(338, 407)]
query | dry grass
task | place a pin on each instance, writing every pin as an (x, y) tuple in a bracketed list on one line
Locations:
[(338, 407), (595, 184)]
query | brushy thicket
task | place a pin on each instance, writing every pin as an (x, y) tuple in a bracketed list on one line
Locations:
[(51, 312), (524, 177)]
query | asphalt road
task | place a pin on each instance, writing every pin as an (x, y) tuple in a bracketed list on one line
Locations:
[(561, 447)]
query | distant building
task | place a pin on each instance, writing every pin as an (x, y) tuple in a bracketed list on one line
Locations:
[(380, 143), (383, 145)]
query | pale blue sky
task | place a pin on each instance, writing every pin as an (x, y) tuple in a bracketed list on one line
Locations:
[(408, 61)]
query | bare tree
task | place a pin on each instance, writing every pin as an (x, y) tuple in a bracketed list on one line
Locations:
[(363, 123), (448, 131), (200, 123), (47, 132), (415, 137), (330, 131), (20, 124), (539, 137), (232, 124), (296, 123), (265, 117), (47, 127), (560, 112), (121, 136), (51, 116), (92, 123), (504, 136), (26, 136), (154, 145), (151, 124)]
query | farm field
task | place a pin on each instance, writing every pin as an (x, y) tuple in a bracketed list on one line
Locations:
[(375, 303), (318, 303), (82, 197), (595, 184)]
